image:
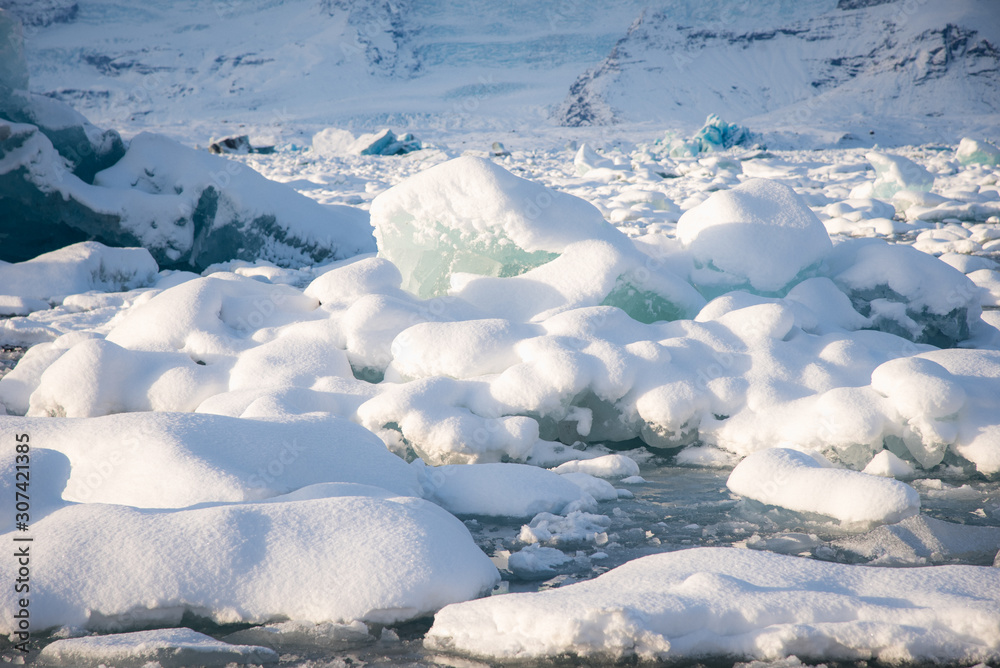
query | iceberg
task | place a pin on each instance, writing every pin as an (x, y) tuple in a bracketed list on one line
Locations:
[(189, 209), (717, 135), (893, 173), (977, 152)]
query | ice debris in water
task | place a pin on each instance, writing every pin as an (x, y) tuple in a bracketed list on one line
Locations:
[(166, 648), (808, 482)]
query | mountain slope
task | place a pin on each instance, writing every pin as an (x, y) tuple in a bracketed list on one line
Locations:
[(888, 65)]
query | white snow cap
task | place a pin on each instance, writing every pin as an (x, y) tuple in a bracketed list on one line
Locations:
[(760, 233), (360, 553), (807, 482), (741, 603)]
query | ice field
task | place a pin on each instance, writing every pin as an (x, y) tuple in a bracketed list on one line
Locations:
[(546, 396)]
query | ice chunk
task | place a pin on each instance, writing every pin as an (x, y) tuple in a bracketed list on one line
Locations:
[(174, 460), (534, 562), (807, 482), (502, 490), (362, 555), (82, 267), (186, 207), (888, 465), (738, 603), (760, 235), (927, 400), (348, 281), (237, 144), (905, 292), (587, 159), (920, 539), (718, 135), (461, 225), (574, 528), (894, 173), (469, 215), (166, 648), (333, 142), (600, 490), (606, 466), (977, 152)]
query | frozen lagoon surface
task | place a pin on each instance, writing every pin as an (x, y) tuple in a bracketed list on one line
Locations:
[(827, 351)]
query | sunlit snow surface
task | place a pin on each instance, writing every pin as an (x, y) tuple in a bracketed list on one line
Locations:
[(267, 343)]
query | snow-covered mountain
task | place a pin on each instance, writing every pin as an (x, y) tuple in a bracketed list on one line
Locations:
[(911, 70), (898, 68)]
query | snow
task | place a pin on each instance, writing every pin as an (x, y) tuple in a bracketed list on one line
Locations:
[(740, 603), (78, 268), (582, 299), (808, 483), (360, 554), (503, 490), (175, 460), (166, 647), (758, 234)]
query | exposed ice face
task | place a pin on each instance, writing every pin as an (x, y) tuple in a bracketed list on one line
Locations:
[(977, 152), (892, 174), (759, 234)]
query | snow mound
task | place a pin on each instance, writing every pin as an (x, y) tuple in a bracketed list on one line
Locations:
[(361, 555), (503, 490), (605, 466), (166, 647), (807, 482), (739, 603), (174, 460), (81, 267), (759, 235)]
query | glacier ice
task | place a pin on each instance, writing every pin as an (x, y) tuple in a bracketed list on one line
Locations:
[(892, 174), (977, 152)]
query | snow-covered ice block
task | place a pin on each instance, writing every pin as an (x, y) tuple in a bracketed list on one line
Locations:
[(502, 490), (174, 460), (361, 555), (347, 281), (573, 528), (515, 248), (236, 213), (334, 142), (587, 159), (470, 215), (906, 292), (166, 648), (977, 152), (605, 466), (892, 174), (759, 235), (739, 603), (926, 399), (807, 482), (717, 135), (81, 267)]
